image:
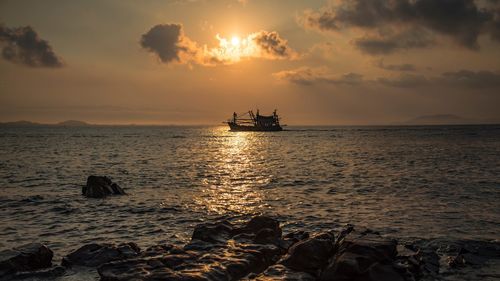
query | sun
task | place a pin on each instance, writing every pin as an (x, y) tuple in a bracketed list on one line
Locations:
[(235, 41)]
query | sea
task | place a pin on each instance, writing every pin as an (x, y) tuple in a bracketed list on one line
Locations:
[(403, 181)]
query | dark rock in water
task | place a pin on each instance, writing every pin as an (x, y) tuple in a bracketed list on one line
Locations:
[(256, 224), (258, 251), (279, 272), (379, 272), (311, 254), (218, 232), (100, 187), (209, 255), (28, 257), (93, 255), (364, 256), (228, 262), (44, 274)]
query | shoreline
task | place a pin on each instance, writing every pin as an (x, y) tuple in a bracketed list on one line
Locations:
[(258, 250)]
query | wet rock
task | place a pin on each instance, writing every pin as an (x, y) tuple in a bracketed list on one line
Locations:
[(311, 254), (28, 257), (228, 262), (218, 232), (259, 223), (43, 274), (385, 272), (280, 272), (93, 255), (100, 187), (292, 238), (361, 255), (212, 254)]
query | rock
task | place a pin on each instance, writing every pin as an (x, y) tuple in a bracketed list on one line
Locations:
[(93, 255), (360, 255), (280, 272), (100, 187), (224, 262), (217, 251), (259, 223), (43, 274), (267, 236), (28, 257), (218, 232), (385, 272), (311, 254)]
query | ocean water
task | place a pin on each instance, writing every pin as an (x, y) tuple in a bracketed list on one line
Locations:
[(406, 182)]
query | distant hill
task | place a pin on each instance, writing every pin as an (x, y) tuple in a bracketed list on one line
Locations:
[(22, 123), (438, 119), (73, 123)]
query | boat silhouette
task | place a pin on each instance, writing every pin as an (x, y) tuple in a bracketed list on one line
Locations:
[(254, 122)]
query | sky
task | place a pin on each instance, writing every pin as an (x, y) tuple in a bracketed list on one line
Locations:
[(186, 62)]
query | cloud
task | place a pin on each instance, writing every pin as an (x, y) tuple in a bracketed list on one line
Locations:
[(472, 79), (169, 43), (22, 45), (309, 76), (461, 20), (404, 81), (390, 42), (272, 45), (396, 67)]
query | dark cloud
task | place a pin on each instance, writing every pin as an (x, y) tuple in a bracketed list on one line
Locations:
[(169, 43), (22, 45), (309, 76), (461, 20), (472, 79), (390, 42), (396, 67), (482, 79), (273, 45), (404, 81)]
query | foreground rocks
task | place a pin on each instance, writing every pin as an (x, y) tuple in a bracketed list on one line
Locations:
[(257, 250), (98, 254), (100, 187), (25, 258)]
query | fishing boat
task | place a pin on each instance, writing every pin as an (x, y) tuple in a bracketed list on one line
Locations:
[(254, 122)]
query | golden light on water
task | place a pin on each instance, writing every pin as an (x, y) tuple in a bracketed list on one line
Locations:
[(231, 187)]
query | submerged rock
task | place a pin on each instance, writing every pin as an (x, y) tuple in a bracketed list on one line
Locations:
[(93, 255), (28, 257), (100, 187)]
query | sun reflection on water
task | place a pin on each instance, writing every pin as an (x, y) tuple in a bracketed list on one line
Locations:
[(230, 184)]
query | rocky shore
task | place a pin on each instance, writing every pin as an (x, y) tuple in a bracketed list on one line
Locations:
[(258, 250)]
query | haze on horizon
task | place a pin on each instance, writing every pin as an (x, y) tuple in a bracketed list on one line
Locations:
[(197, 61)]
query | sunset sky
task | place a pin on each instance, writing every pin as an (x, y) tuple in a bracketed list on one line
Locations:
[(195, 62)]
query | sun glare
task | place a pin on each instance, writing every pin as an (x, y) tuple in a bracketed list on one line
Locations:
[(234, 48), (235, 41)]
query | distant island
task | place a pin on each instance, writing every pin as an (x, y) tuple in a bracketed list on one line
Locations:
[(24, 123), (73, 123)]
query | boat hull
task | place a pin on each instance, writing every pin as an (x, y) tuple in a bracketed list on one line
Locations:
[(242, 128)]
